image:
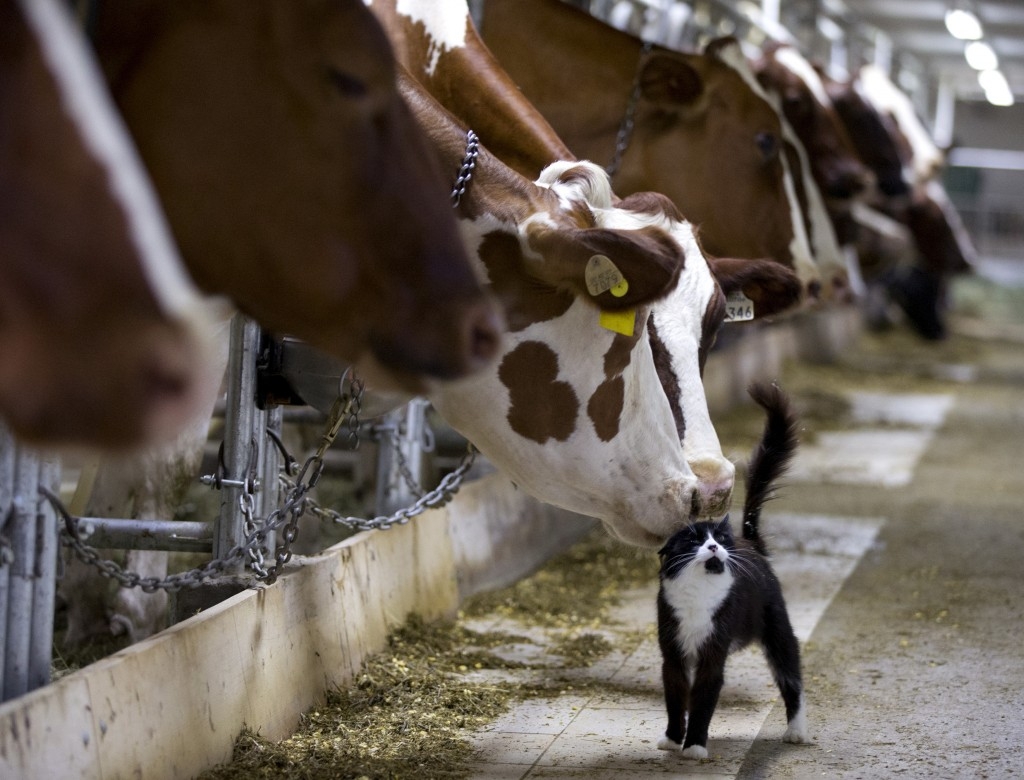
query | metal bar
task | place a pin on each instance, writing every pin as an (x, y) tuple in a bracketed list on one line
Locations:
[(22, 526), (404, 446), (238, 427), (130, 534), (44, 591), (267, 499), (8, 450)]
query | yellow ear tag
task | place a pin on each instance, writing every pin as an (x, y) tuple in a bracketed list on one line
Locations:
[(623, 322), (620, 289)]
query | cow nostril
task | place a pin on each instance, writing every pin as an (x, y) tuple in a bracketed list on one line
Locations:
[(695, 504)]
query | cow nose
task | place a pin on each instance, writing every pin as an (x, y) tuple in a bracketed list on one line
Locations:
[(715, 476)]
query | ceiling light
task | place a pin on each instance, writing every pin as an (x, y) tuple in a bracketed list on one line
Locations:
[(963, 24), (997, 89), (980, 56)]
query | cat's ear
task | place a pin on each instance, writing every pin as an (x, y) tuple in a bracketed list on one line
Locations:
[(663, 551), (723, 526)]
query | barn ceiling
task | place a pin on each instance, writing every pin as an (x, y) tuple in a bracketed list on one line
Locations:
[(918, 28)]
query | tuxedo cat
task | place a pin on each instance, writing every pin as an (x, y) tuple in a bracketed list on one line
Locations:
[(718, 594)]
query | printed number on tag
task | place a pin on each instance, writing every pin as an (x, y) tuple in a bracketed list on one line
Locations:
[(738, 307)]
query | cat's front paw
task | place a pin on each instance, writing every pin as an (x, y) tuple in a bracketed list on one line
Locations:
[(796, 729), (695, 751), (796, 735), (667, 743)]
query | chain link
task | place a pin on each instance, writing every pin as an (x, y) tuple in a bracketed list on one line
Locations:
[(466, 170), (625, 133), (286, 517), (437, 497)]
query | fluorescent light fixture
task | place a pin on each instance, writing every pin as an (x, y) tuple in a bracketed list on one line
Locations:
[(997, 89), (980, 56), (963, 24)]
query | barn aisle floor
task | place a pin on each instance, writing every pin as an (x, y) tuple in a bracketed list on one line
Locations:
[(898, 537)]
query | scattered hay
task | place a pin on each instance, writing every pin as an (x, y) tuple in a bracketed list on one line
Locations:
[(575, 589), (411, 709)]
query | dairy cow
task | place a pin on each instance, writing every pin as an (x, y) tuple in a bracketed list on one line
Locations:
[(297, 184), (295, 180), (837, 169), (440, 45), (573, 412), (687, 125), (103, 337), (930, 241)]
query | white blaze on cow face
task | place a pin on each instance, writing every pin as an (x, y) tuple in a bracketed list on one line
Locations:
[(799, 66), (800, 247), (445, 24), (886, 97), (86, 102)]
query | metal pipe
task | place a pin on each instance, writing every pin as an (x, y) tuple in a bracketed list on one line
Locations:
[(22, 533), (44, 581), (131, 534), (7, 455), (238, 431)]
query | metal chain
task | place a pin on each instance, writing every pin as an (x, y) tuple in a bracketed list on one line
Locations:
[(437, 497), (345, 410), (625, 133), (466, 170)]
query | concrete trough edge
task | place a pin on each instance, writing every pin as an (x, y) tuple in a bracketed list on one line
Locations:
[(172, 705)]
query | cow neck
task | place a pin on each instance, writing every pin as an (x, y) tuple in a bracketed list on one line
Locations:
[(497, 189), (580, 72)]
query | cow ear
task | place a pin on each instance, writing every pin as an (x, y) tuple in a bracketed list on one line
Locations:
[(772, 287), (648, 259), (668, 81)]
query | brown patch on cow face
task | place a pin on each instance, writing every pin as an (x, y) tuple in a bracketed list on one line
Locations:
[(541, 407), (525, 300), (667, 377), (711, 323), (605, 406)]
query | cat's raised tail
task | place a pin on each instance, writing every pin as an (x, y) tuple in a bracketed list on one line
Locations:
[(771, 457)]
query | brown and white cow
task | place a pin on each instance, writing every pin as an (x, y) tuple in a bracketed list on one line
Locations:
[(103, 337), (297, 183), (573, 412), (440, 44), (836, 168), (686, 125), (913, 268), (294, 179)]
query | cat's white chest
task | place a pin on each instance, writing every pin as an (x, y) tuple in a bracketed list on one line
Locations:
[(695, 596)]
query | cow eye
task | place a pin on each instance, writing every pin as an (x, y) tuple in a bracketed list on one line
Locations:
[(768, 144), (347, 84)]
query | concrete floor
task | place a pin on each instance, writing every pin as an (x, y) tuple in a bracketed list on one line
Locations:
[(899, 539)]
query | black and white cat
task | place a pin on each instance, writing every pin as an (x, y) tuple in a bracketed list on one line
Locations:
[(718, 594)]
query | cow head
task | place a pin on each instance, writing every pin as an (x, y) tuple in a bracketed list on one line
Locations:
[(701, 132), (103, 337), (836, 168), (716, 148), (294, 178)]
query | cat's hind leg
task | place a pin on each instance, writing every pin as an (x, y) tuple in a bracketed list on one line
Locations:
[(782, 651)]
